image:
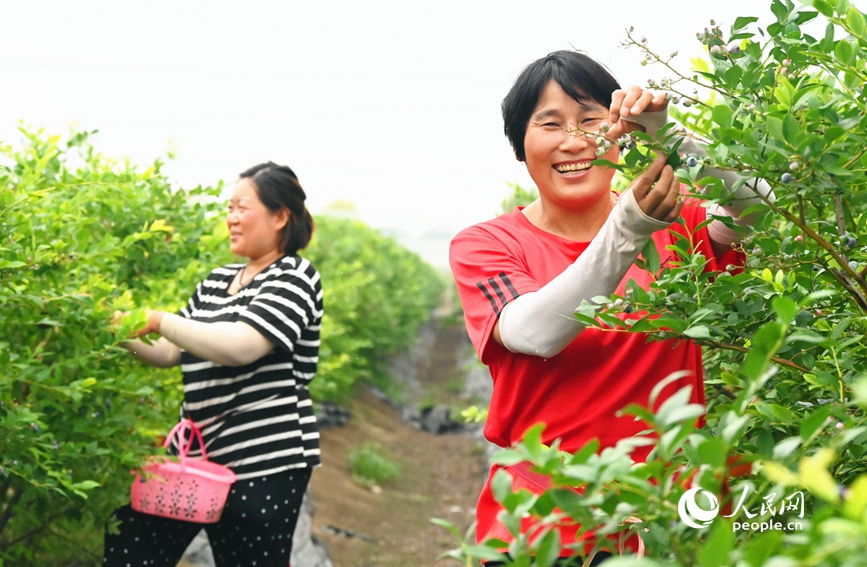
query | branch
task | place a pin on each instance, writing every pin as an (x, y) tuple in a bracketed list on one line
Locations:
[(738, 348), (41, 528), (844, 265)]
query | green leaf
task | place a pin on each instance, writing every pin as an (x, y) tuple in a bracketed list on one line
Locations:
[(778, 474), (813, 474), (792, 130), (856, 499), (775, 128), (715, 551), (855, 21), (533, 441), (824, 7), (447, 525), (733, 76), (782, 413), (813, 422), (548, 550), (722, 114), (786, 447), (765, 342), (501, 485), (743, 21), (651, 257), (786, 309), (670, 379), (760, 549), (484, 552), (698, 332), (712, 452), (844, 52)]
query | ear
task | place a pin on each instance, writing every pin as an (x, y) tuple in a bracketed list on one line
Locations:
[(282, 217)]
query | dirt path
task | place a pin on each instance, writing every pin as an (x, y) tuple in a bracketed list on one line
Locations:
[(440, 477)]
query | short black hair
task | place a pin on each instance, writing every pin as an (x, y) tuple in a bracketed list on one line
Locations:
[(581, 76), (278, 187)]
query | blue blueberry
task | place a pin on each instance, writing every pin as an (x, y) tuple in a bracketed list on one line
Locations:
[(786, 177), (691, 161), (851, 242)]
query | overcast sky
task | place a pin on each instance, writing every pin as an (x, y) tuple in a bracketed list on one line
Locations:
[(393, 106)]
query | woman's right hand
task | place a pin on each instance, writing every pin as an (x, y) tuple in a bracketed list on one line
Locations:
[(657, 191)]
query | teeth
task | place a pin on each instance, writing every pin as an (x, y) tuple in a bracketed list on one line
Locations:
[(572, 167)]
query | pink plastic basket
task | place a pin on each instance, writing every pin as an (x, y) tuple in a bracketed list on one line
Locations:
[(192, 490)]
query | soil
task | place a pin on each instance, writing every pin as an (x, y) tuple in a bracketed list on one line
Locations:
[(440, 475)]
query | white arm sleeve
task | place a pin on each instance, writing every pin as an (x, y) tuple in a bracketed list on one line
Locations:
[(224, 343), (746, 192), (541, 323), (161, 353)]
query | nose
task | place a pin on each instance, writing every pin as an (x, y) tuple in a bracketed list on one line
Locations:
[(573, 141)]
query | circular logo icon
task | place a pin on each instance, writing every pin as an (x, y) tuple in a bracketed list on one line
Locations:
[(694, 515)]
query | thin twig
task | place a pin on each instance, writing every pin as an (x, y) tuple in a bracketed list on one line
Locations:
[(738, 348), (41, 528)]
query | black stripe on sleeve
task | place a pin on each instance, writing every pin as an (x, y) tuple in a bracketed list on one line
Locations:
[(497, 290), (509, 285), (481, 286)]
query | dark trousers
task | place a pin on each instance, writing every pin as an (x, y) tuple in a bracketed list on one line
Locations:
[(255, 528)]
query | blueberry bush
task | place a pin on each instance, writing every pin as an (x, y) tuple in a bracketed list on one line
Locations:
[(83, 235), (784, 338)]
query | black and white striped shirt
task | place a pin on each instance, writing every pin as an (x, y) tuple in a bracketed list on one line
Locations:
[(258, 419)]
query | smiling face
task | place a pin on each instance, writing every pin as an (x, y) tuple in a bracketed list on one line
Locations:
[(254, 231), (558, 155)]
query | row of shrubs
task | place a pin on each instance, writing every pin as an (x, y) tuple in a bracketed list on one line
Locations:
[(82, 236)]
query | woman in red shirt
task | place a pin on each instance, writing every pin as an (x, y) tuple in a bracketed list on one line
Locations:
[(522, 275)]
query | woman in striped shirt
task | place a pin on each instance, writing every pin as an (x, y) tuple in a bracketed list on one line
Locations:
[(247, 343)]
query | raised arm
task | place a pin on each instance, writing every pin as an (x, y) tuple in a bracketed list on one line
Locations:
[(644, 110), (224, 343), (540, 323)]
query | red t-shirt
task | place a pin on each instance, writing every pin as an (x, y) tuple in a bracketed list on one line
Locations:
[(577, 392)]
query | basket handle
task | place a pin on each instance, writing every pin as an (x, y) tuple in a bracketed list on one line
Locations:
[(180, 429)]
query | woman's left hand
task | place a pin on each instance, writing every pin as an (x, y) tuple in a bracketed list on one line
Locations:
[(632, 102), (154, 319)]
